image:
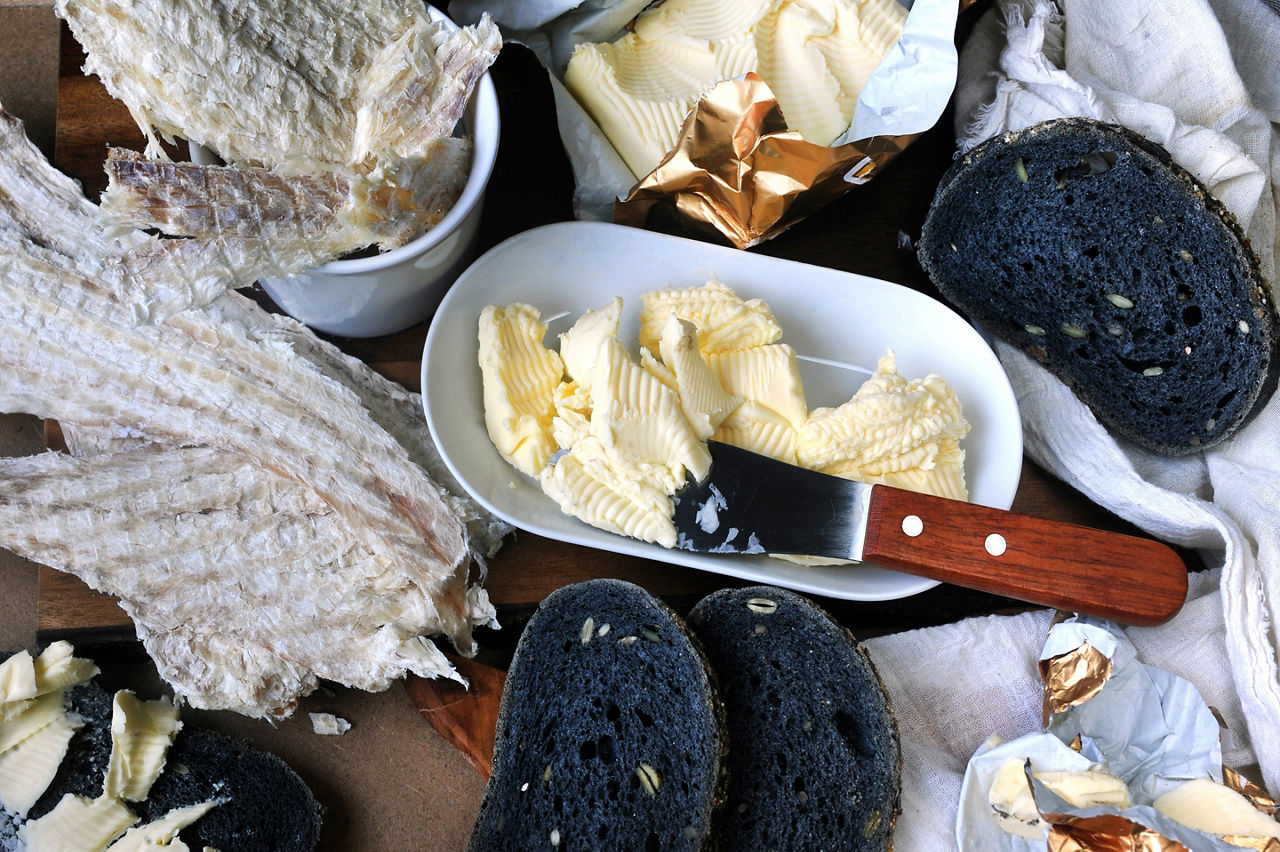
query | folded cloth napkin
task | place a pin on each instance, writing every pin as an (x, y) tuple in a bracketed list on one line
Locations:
[(1200, 77)]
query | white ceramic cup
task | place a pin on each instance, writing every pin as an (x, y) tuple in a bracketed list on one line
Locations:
[(390, 291)]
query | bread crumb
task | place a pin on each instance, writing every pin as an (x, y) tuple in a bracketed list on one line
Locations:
[(328, 724)]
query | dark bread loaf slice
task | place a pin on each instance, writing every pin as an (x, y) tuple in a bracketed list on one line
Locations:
[(814, 761), (610, 734), (268, 807), (1083, 244)]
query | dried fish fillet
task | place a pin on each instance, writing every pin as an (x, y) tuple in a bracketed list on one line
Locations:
[(402, 106), (395, 409), (337, 211), (41, 206), (264, 552), (274, 83), (195, 380), (86, 343)]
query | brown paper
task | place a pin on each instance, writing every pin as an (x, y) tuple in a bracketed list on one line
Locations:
[(1073, 678), (738, 174)]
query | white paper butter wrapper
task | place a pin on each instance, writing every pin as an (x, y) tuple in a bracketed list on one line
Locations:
[(905, 96), (1146, 726)]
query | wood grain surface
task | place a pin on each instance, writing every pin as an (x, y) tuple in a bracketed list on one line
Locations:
[(868, 231)]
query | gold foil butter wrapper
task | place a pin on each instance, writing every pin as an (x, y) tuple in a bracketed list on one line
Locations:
[(1251, 791), (739, 174), (1106, 712), (736, 174), (1073, 678), (1107, 833)]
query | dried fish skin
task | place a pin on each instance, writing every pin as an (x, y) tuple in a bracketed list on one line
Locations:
[(44, 211), (390, 404), (332, 211), (269, 83), (244, 586), (403, 106), (194, 378), (184, 199), (403, 197)]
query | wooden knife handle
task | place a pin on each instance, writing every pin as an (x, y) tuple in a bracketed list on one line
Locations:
[(1073, 568)]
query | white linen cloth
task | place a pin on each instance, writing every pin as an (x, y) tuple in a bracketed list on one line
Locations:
[(1202, 77)]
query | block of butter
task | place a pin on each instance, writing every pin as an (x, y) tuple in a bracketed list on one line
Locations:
[(816, 56)]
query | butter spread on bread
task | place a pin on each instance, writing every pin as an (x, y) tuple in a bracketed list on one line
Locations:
[(96, 764), (35, 725)]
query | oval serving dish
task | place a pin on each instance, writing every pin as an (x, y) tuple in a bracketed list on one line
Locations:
[(838, 322)]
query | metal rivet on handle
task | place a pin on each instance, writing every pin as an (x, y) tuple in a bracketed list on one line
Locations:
[(912, 525), (996, 545)]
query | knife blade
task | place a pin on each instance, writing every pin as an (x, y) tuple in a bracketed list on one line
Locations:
[(751, 503)]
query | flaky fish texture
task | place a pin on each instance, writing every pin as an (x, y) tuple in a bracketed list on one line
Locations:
[(337, 211), (300, 81), (260, 502)]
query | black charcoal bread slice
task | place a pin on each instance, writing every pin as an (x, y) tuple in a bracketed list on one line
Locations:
[(1083, 244), (814, 761), (610, 734), (267, 807)]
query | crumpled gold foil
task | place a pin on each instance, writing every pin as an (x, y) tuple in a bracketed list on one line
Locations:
[(1255, 794), (1115, 833), (1073, 678), (1106, 833), (739, 174)]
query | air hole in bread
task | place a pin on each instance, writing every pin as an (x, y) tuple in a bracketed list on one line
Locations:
[(606, 750), (1142, 365), (587, 751), (645, 718), (1191, 316), (1092, 164), (1091, 252), (651, 843), (853, 735)]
